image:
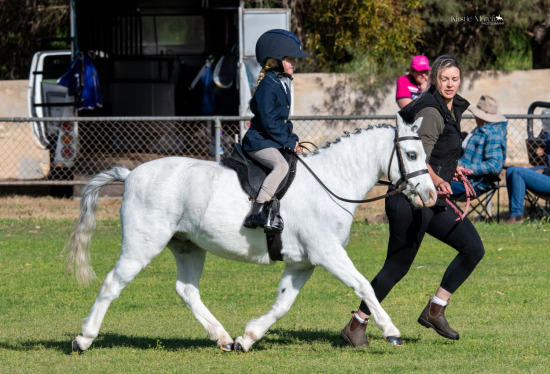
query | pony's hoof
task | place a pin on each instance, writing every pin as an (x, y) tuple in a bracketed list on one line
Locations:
[(76, 347), (238, 348), (226, 347), (394, 340)]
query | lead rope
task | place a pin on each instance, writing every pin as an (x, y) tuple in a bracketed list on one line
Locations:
[(470, 192)]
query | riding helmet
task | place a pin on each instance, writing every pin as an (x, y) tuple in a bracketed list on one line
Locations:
[(277, 44)]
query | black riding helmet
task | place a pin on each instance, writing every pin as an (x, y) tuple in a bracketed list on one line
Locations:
[(277, 44)]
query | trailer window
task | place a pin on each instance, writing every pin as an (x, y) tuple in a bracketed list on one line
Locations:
[(55, 66), (178, 35)]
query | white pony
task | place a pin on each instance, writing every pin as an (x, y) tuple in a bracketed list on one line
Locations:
[(194, 206)]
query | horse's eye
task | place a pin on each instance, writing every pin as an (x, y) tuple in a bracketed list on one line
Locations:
[(411, 156)]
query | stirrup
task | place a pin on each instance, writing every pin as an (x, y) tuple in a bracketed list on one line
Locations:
[(274, 223)]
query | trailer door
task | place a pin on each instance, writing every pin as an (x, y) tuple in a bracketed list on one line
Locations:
[(254, 23)]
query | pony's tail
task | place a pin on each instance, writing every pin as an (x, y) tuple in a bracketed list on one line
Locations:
[(81, 237)]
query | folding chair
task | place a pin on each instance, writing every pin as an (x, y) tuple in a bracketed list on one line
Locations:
[(481, 205), (539, 204)]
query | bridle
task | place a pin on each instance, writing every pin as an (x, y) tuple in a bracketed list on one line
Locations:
[(469, 189), (405, 177)]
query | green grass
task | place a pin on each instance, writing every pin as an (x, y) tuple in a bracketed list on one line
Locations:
[(502, 311)]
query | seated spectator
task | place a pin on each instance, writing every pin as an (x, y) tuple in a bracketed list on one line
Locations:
[(484, 149), (411, 85), (517, 180)]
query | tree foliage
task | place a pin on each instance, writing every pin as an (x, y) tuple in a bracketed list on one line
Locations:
[(484, 34), (540, 36), (29, 26), (339, 32), (375, 38)]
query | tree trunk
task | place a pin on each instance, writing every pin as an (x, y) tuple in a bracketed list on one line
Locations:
[(541, 44)]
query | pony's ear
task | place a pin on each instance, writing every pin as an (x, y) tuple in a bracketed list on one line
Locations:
[(401, 123), (416, 124)]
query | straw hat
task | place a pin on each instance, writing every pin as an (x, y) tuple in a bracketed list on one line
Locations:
[(487, 110)]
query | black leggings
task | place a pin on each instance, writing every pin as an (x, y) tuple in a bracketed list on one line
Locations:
[(407, 229)]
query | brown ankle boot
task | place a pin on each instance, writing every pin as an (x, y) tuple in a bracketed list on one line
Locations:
[(354, 333), (433, 316)]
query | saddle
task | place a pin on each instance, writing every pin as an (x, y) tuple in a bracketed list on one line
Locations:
[(252, 174)]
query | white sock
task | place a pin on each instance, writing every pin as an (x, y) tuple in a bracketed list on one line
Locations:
[(359, 318), (438, 301)]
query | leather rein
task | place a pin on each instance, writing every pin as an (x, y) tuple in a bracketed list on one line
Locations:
[(404, 175)]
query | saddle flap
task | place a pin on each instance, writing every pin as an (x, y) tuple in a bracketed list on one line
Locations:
[(252, 175)]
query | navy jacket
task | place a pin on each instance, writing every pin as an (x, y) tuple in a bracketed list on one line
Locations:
[(270, 127)]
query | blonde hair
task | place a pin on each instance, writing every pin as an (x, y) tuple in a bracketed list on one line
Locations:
[(442, 63), (269, 63)]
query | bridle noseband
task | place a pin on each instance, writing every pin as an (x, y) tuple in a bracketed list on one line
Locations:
[(405, 177)]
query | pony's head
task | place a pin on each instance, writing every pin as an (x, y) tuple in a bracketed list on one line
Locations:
[(408, 165)]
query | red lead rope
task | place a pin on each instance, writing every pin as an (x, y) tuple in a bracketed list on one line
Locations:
[(470, 192)]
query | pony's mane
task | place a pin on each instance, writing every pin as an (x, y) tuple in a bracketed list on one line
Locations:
[(347, 134)]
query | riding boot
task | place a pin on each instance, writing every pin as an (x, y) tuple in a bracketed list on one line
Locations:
[(274, 223), (433, 316), (354, 333), (257, 216)]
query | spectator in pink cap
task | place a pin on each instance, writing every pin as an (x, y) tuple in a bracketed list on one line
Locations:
[(410, 86)]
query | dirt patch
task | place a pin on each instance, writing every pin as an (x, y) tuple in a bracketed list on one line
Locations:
[(20, 207)]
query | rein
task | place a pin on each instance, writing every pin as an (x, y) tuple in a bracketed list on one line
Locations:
[(404, 175), (387, 194), (303, 146), (469, 189)]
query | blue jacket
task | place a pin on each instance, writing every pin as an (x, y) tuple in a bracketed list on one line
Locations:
[(270, 127), (485, 150), (485, 154), (83, 82)]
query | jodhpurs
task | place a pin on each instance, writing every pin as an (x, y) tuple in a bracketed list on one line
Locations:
[(407, 229), (274, 160)]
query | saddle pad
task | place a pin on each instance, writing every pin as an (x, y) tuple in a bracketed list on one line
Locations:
[(251, 174)]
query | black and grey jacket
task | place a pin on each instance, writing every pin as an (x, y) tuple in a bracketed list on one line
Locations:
[(446, 151)]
